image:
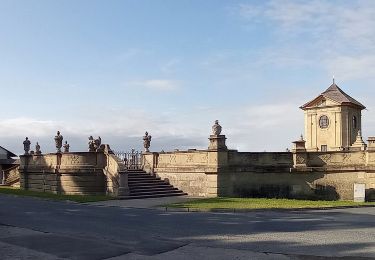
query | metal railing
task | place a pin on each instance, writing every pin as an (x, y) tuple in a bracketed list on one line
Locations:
[(132, 160)]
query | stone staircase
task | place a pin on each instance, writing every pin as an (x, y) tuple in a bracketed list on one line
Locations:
[(143, 185), (12, 177)]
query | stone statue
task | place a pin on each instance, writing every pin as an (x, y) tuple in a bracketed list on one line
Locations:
[(97, 143), (58, 141), (91, 144), (216, 128), (66, 147), (146, 142), (37, 149), (26, 145)]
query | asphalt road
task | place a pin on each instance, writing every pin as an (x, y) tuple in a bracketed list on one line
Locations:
[(42, 229)]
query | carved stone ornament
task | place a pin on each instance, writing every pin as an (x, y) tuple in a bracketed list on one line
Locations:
[(91, 144), (37, 149), (216, 128), (26, 145), (66, 147), (94, 144), (58, 141), (147, 141), (97, 143), (300, 159)]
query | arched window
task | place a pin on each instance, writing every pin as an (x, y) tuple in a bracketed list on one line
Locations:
[(323, 121), (355, 123)]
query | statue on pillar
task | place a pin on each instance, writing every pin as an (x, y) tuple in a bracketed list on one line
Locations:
[(91, 144), (146, 142), (97, 143), (216, 128), (58, 141), (217, 141), (37, 149), (26, 145), (66, 147)]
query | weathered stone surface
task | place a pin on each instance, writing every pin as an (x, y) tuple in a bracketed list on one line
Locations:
[(72, 173)]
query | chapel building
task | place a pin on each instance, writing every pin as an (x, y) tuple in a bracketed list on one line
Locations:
[(332, 121)]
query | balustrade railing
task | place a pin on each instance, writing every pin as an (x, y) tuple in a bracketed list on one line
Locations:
[(132, 160)]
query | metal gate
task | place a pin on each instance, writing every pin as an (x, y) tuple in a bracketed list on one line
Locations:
[(132, 159)]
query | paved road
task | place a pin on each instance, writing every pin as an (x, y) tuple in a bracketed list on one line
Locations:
[(41, 229)]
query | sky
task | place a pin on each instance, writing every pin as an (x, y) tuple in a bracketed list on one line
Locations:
[(116, 69)]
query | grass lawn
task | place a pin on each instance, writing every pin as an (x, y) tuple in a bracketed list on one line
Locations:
[(260, 203), (47, 195)]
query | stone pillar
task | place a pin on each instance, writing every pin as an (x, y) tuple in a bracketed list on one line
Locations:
[(217, 143), (123, 182), (23, 169), (371, 144), (2, 177), (299, 153)]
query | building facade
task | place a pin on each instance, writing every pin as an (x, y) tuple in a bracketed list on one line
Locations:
[(6, 162), (332, 121)]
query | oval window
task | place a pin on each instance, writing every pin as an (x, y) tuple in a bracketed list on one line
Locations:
[(323, 122)]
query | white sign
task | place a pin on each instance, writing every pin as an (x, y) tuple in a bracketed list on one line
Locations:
[(359, 192)]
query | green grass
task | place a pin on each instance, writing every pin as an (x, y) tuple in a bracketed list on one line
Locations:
[(260, 203), (47, 195)]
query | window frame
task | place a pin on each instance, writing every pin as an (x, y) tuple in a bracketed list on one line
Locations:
[(324, 122)]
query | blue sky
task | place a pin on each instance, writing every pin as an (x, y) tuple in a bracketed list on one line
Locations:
[(119, 68)]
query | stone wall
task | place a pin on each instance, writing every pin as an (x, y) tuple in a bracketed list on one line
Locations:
[(85, 173), (194, 172), (312, 175)]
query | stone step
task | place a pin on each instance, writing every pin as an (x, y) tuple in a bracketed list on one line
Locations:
[(150, 185), (145, 181), (142, 177), (151, 196), (144, 185), (151, 189), (135, 171), (155, 192)]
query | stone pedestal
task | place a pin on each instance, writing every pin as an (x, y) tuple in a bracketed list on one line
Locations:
[(371, 143), (217, 143), (359, 144), (124, 188), (299, 153)]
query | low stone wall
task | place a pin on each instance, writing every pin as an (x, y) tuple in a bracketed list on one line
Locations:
[(194, 172), (336, 185), (233, 174), (85, 173)]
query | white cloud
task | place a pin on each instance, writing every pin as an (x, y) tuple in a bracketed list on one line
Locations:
[(157, 84), (253, 128), (338, 35), (349, 67)]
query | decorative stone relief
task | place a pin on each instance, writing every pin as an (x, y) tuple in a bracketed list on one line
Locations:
[(75, 159), (346, 157), (172, 158), (362, 158), (325, 158), (189, 158), (300, 159)]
